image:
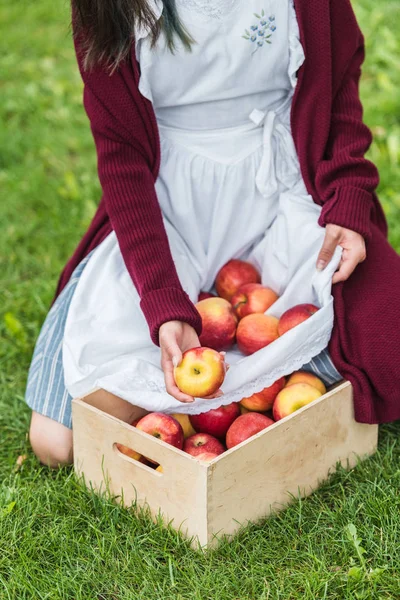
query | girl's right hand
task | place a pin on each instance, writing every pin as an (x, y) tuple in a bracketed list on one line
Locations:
[(175, 338)]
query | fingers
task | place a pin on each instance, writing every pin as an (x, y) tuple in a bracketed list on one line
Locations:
[(331, 241), (346, 268), (171, 356), (347, 265), (217, 394), (170, 384)]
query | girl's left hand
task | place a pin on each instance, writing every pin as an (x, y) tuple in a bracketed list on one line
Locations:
[(354, 250)]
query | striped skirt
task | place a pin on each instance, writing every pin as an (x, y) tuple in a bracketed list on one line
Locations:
[(46, 393)]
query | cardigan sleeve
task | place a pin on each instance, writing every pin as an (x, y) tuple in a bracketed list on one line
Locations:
[(128, 184), (345, 179)]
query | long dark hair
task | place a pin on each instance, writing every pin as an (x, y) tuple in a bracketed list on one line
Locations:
[(108, 28)]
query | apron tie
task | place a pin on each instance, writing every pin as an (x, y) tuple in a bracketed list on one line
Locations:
[(279, 162)]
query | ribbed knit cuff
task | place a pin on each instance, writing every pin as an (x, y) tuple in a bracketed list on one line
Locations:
[(169, 304), (351, 208)]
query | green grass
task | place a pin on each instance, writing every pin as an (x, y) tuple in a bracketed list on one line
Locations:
[(60, 541)]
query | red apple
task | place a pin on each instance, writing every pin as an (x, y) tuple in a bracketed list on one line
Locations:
[(306, 377), (245, 426), (202, 442), (255, 332), (252, 298), (218, 323), (207, 456), (294, 316), (201, 372), (293, 397), (205, 295), (262, 401), (136, 421), (163, 427), (216, 421), (233, 275)]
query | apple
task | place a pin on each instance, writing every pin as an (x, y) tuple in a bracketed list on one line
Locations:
[(255, 332), (243, 410), (205, 295), (131, 453), (202, 442), (245, 426), (293, 397), (262, 401), (206, 456), (295, 315), (218, 323), (233, 275), (164, 427), (306, 377), (201, 372), (216, 421), (252, 298), (186, 424), (135, 422)]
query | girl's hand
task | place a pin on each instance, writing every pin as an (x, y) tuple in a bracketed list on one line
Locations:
[(354, 251), (175, 338)]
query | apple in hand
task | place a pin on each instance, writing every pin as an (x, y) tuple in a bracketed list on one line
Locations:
[(186, 424), (262, 401), (216, 421), (164, 427), (201, 372), (202, 442), (245, 426), (306, 377), (293, 397), (252, 298), (295, 315), (218, 323), (255, 332), (233, 275), (205, 295)]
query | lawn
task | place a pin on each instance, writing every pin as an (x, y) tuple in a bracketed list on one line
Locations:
[(59, 541)]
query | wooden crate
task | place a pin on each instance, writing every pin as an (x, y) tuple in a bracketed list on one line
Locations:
[(291, 457)]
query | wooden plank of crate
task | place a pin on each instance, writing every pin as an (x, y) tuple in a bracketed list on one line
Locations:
[(298, 452), (179, 493)]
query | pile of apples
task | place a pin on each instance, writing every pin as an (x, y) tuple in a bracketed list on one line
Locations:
[(207, 435), (237, 313)]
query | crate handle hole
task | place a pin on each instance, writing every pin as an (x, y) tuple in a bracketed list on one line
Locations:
[(136, 458)]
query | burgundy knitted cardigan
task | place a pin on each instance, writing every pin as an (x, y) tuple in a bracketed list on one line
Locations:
[(330, 140)]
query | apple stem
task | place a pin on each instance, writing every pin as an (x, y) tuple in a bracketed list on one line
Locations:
[(235, 306)]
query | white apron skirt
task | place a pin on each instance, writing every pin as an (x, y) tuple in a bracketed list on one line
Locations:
[(107, 342), (225, 192)]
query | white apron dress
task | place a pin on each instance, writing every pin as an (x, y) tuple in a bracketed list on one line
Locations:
[(229, 187)]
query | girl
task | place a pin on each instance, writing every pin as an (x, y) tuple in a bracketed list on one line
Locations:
[(224, 129)]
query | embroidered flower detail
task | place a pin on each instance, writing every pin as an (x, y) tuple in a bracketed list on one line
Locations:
[(265, 28)]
